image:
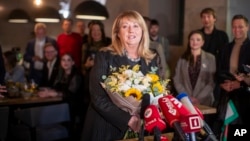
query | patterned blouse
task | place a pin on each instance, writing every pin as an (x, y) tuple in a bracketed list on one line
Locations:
[(194, 70)]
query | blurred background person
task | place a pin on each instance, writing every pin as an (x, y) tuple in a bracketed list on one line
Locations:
[(2, 91), (235, 90), (81, 28), (34, 52), (14, 71), (154, 29), (68, 84), (194, 73), (96, 40), (195, 70), (51, 65), (158, 48), (70, 42), (215, 41)]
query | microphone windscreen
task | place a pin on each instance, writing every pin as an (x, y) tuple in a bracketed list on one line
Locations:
[(153, 119), (172, 114), (144, 104), (168, 109), (183, 97), (178, 105)]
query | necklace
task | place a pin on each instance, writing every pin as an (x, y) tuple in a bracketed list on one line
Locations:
[(132, 59)]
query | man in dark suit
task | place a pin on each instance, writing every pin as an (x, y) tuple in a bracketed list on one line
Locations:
[(51, 65), (34, 52)]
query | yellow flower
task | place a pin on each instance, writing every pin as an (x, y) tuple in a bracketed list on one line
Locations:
[(133, 92), (157, 86), (136, 68), (154, 77), (123, 68)]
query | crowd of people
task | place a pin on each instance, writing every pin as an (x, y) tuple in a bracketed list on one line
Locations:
[(72, 66)]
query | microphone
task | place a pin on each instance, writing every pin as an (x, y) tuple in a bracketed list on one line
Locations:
[(153, 122), (183, 97), (178, 105), (172, 115), (144, 104), (209, 134), (190, 123)]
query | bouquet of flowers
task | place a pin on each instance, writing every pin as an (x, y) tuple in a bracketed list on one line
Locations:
[(125, 86)]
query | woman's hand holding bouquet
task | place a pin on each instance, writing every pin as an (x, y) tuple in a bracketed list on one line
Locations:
[(126, 86)]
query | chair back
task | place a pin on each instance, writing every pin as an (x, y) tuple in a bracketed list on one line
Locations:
[(4, 122), (45, 121), (44, 115)]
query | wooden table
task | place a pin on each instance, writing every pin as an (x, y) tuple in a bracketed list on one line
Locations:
[(206, 109), (31, 100)]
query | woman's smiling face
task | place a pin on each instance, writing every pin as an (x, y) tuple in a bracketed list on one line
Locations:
[(67, 62), (196, 41), (130, 32)]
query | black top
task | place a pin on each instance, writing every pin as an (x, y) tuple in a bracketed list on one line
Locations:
[(70, 86), (105, 121), (241, 96), (214, 41), (49, 82)]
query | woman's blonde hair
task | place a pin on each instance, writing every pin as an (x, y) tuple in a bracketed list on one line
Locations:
[(118, 47)]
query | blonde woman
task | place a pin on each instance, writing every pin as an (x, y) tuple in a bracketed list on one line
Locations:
[(130, 46)]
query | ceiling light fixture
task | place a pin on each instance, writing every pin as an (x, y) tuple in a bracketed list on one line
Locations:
[(91, 10), (38, 2), (47, 14), (18, 16)]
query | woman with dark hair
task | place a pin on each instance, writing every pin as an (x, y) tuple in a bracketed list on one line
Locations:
[(96, 40), (14, 71), (195, 70), (194, 73), (68, 84)]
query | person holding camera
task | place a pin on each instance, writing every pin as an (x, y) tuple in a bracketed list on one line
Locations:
[(235, 92)]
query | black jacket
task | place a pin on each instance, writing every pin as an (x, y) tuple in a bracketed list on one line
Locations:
[(104, 120), (241, 96), (49, 82), (218, 40)]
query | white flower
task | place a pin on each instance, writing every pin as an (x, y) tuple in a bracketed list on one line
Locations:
[(130, 82)]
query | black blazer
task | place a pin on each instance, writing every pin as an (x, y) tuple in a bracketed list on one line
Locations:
[(217, 41), (104, 120), (241, 96), (49, 82)]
